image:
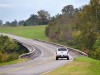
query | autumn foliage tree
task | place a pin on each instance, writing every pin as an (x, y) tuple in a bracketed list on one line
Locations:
[(60, 27), (80, 28), (88, 22)]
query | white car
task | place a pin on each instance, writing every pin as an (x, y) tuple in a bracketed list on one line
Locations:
[(62, 53)]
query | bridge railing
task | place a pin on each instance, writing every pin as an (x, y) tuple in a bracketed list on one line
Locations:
[(70, 49)]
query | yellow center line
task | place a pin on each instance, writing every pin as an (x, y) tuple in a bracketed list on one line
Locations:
[(29, 66)]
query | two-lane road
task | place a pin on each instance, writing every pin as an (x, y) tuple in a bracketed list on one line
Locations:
[(44, 61)]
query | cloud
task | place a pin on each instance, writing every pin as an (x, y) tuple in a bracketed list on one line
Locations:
[(5, 5)]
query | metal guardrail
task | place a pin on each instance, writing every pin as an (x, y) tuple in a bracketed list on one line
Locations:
[(32, 49), (29, 47), (72, 49)]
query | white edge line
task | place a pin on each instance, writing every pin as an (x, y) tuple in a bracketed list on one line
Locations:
[(58, 67)]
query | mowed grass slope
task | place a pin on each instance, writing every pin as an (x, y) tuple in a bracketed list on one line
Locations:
[(80, 66), (33, 32)]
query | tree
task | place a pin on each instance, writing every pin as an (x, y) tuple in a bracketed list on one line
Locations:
[(20, 23), (1, 22), (88, 36), (32, 20), (90, 13), (69, 10), (95, 12), (60, 26), (88, 23), (7, 23), (14, 23), (44, 16), (7, 45)]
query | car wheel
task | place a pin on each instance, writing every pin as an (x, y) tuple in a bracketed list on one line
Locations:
[(68, 58), (56, 58)]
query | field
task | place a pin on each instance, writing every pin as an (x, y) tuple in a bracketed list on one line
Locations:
[(80, 66), (33, 32)]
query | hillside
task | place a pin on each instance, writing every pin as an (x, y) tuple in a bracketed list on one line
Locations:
[(33, 32)]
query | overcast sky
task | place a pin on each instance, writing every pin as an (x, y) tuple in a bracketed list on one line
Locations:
[(22, 9)]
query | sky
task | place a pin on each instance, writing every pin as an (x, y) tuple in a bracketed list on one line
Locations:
[(22, 9)]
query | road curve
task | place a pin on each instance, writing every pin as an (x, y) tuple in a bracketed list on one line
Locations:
[(43, 61)]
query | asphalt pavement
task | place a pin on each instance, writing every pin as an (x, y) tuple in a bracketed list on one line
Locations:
[(41, 62)]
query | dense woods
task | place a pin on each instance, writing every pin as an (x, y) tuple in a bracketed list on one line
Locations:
[(78, 27), (9, 49)]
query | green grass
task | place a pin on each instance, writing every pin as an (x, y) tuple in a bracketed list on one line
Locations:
[(80, 66), (13, 62), (33, 32)]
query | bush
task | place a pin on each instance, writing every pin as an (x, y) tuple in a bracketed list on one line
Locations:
[(95, 54), (97, 43), (9, 49), (3, 57), (13, 56), (7, 45), (8, 57)]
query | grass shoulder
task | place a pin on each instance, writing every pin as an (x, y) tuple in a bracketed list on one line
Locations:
[(80, 66), (13, 62)]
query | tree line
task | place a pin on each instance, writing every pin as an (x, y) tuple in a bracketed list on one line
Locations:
[(78, 27), (42, 18)]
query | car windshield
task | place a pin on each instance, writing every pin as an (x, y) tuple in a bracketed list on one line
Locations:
[(62, 49)]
